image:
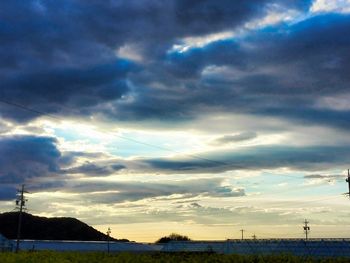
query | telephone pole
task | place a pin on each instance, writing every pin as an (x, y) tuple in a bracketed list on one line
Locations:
[(306, 228), (242, 230), (20, 204), (348, 181), (108, 235)]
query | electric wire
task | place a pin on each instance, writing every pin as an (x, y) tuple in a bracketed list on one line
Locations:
[(41, 113), (194, 156)]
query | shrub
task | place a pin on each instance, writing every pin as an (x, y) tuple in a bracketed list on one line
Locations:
[(173, 237)]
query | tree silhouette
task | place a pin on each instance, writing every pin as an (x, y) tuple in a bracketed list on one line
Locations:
[(173, 237)]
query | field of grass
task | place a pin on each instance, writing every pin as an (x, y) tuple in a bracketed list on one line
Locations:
[(76, 257)]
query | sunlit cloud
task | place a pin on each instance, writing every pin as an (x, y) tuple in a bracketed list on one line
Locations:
[(274, 14), (130, 51), (338, 102), (199, 42), (324, 6)]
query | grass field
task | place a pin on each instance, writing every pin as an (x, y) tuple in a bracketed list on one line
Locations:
[(76, 257)]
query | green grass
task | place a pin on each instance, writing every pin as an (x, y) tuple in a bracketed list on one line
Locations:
[(77, 257)]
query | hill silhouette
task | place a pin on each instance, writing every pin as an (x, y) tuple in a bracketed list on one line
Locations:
[(43, 228)]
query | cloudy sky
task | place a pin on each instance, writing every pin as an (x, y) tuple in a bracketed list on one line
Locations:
[(198, 117)]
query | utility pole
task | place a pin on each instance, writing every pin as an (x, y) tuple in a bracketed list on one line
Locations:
[(20, 204), (108, 234), (348, 181), (242, 230), (306, 228)]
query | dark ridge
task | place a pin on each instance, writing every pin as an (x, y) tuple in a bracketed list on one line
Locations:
[(43, 228)]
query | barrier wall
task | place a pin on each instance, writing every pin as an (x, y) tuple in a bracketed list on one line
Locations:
[(5, 244), (318, 248), (86, 246)]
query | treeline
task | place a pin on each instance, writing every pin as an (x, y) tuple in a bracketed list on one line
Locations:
[(173, 237)]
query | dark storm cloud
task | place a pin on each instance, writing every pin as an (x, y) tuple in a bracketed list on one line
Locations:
[(101, 169), (8, 192), (314, 53), (55, 90), (37, 162), (26, 157), (280, 71), (34, 161), (59, 84), (305, 115), (56, 56), (227, 139), (260, 157), (65, 32), (189, 64), (59, 57), (200, 17), (132, 191), (205, 16)]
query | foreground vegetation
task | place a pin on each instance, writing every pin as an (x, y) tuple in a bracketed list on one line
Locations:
[(76, 257)]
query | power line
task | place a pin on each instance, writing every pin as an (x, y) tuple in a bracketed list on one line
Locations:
[(194, 156), (298, 203), (21, 201), (302, 187), (28, 109)]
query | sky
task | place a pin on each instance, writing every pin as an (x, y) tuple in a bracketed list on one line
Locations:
[(197, 117)]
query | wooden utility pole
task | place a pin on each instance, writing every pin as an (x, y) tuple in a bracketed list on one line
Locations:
[(20, 204), (242, 230), (306, 228), (348, 181), (108, 237)]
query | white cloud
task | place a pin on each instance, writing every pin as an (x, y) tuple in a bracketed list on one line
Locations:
[(324, 6), (130, 51), (275, 14), (337, 103), (199, 42)]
